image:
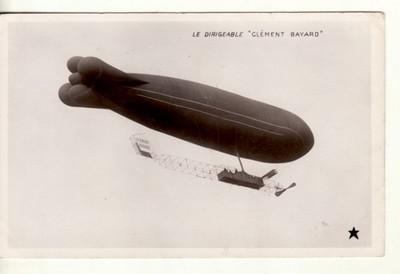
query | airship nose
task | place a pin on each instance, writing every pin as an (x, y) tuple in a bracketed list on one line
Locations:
[(294, 142), (308, 138), (304, 139)]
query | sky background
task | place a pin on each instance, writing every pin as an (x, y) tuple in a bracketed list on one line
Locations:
[(75, 181)]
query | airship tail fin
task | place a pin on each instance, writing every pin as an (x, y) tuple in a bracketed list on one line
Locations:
[(79, 96), (93, 71)]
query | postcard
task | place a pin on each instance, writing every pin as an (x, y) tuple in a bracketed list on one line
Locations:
[(192, 135)]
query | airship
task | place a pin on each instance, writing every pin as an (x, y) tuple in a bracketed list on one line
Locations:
[(193, 112)]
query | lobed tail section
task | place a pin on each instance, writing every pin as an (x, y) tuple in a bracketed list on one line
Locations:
[(89, 73), (79, 96)]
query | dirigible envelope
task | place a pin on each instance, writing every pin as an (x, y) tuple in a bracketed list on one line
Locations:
[(193, 112)]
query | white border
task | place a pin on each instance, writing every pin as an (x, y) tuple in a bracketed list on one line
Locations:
[(3, 137), (387, 264)]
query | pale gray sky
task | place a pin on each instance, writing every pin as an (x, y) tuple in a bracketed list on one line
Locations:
[(75, 181)]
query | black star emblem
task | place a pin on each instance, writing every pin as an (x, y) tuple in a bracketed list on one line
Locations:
[(353, 233)]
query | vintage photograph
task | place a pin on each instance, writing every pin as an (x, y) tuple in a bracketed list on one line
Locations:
[(192, 135)]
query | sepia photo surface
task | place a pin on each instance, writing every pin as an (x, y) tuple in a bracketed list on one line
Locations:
[(102, 180)]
